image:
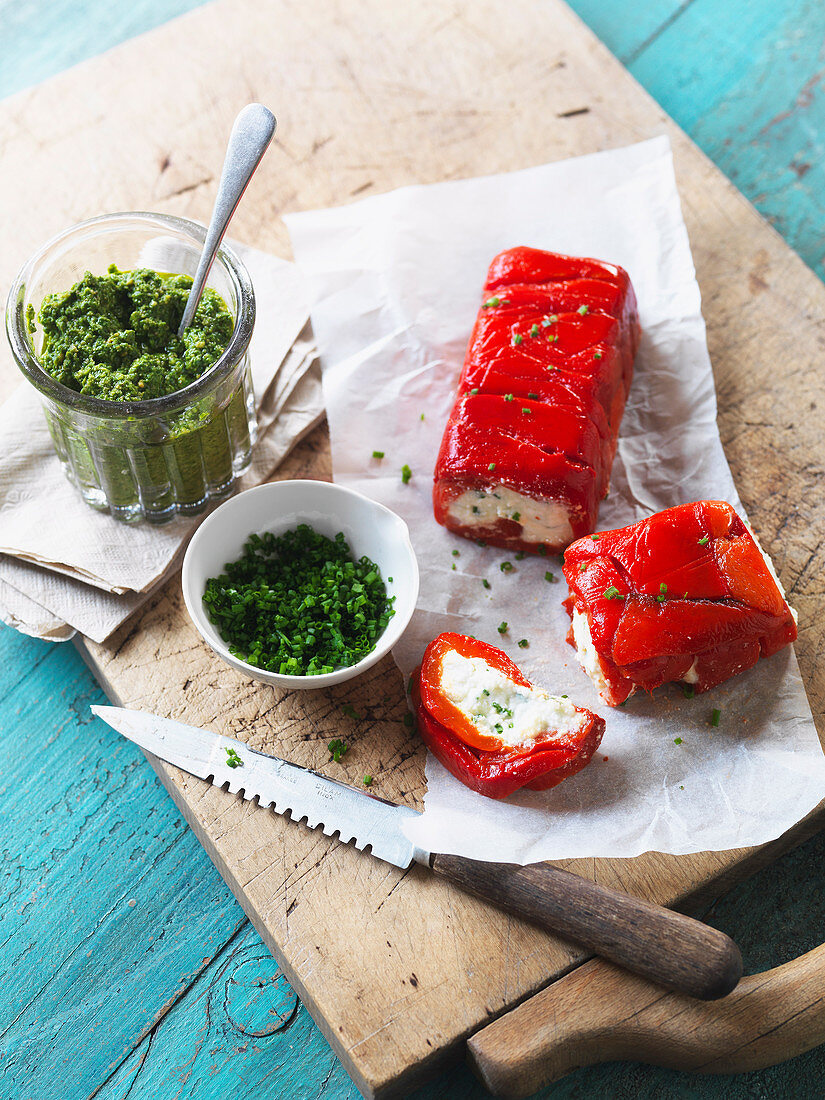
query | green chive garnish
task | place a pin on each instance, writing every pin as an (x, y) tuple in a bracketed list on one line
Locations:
[(517, 339), (582, 310), (548, 576), (507, 567), (232, 759), (715, 716), (704, 541), (523, 643), (502, 628), (377, 454), (338, 748), (406, 474)]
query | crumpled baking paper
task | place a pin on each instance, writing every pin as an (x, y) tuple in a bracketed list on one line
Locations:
[(396, 282), (63, 565)]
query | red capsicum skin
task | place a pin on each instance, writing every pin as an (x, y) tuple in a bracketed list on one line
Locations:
[(685, 588), (541, 394), (500, 772)]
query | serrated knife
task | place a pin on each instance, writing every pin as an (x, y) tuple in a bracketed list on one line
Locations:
[(666, 947)]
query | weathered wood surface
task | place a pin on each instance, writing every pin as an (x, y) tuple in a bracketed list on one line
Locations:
[(438, 87), (599, 1013)]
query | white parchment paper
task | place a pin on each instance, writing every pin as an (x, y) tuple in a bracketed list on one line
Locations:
[(396, 285)]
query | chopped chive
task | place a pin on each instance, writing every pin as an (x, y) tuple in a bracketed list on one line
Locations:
[(456, 553), (677, 740), (516, 516), (663, 587), (534, 331), (715, 716), (517, 338), (475, 510), (491, 467), (597, 355), (232, 758), (502, 627), (491, 303), (367, 780), (523, 643), (485, 582), (298, 604), (507, 567), (422, 416), (508, 397), (612, 593), (527, 411), (533, 396), (453, 566), (548, 576), (582, 310), (704, 541), (474, 391), (406, 474), (377, 454), (498, 727), (520, 555), (338, 748), (688, 690)]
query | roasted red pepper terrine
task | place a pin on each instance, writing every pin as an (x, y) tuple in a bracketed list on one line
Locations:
[(528, 448), (687, 594)]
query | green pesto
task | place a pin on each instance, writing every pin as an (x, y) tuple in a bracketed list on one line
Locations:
[(114, 336)]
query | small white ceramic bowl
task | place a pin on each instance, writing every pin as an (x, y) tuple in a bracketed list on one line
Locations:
[(369, 528)]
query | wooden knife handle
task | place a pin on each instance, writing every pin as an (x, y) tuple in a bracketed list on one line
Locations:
[(667, 947), (597, 1013)]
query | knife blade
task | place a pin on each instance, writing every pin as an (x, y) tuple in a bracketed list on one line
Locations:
[(660, 944)]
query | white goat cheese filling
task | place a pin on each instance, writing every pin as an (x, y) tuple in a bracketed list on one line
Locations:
[(692, 676), (541, 520), (498, 707), (586, 652)]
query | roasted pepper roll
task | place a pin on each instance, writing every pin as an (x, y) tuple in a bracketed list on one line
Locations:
[(487, 724), (687, 594), (527, 451)]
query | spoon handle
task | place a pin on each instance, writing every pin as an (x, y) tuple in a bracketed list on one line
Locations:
[(252, 132)]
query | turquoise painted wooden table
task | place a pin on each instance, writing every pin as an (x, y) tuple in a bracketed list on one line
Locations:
[(127, 967)]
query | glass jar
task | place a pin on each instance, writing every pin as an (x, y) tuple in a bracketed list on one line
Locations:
[(166, 455)]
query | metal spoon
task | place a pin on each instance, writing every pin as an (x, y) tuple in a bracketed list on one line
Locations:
[(252, 132)]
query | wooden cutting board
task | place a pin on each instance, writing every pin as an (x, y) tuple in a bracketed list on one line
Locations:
[(397, 967)]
